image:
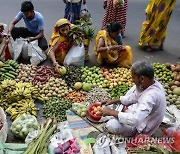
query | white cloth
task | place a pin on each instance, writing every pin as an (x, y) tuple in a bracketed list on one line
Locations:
[(145, 110)]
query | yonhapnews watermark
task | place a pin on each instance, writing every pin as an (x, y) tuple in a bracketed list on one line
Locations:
[(141, 140)]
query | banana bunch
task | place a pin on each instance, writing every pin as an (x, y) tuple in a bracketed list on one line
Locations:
[(7, 86), (20, 107), (25, 90)]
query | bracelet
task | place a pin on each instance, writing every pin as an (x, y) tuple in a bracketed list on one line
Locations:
[(108, 48), (55, 64)]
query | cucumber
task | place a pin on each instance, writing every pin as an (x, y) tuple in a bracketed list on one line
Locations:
[(13, 73), (10, 68), (10, 75), (2, 70)]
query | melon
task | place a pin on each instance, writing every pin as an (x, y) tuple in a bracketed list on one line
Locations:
[(86, 87), (78, 85), (176, 91), (1, 64), (62, 70)]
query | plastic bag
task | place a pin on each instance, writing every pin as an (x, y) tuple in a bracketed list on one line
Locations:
[(75, 56), (24, 51), (15, 47), (4, 129), (31, 136), (36, 53), (23, 125), (84, 14), (12, 148)]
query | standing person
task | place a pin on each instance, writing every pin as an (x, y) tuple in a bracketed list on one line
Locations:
[(116, 13), (34, 22), (146, 102), (72, 9), (153, 33)]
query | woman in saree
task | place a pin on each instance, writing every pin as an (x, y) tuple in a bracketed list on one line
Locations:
[(60, 42), (109, 48), (115, 13), (158, 13)]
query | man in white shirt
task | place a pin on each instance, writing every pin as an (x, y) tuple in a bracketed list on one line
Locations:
[(146, 104)]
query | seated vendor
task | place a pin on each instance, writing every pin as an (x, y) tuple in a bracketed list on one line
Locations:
[(108, 46), (146, 104), (59, 42), (4, 40)]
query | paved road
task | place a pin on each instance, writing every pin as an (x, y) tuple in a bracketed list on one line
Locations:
[(52, 10)]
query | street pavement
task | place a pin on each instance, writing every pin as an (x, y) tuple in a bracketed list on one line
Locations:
[(52, 10)]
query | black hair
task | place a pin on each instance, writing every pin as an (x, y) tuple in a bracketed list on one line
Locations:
[(27, 6), (143, 68), (114, 26)]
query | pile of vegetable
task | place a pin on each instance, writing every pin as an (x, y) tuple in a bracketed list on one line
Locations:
[(56, 107), (8, 70), (26, 73), (23, 125), (93, 76), (97, 95), (43, 74), (73, 75), (80, 109), (18, 98), (162, 73), (40, 144), (118, 91), (55, 87), (77, 97), (117, 76)]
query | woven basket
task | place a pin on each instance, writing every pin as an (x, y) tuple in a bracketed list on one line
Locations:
[(4, 129)]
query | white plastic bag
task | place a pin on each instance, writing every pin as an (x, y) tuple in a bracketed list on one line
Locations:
[(4, 129), (36, 53), (75, 56), (15, 47), (23, 125), (84, 14)]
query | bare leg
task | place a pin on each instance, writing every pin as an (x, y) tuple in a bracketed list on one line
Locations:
[(161, 47)]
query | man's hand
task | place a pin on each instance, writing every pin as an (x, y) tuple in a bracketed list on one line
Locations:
[(30, 39), (107, 102), (84, 2), (110, 112)]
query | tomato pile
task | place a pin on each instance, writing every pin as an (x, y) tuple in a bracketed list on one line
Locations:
[(95, 111)]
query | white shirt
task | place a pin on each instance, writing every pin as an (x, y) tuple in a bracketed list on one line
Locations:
[(146, 109)]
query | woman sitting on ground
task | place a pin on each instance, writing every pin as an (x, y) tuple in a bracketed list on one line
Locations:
[(60, 42), (109, 48)]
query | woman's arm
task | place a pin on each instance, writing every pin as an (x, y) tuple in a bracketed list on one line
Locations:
[(52, 55), (101, 46)]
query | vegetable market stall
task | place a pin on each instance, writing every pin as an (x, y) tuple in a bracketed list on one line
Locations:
[(43, 93)]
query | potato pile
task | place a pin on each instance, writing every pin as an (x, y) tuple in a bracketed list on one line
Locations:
[(176, 74), (26, 73), (55, 87)]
